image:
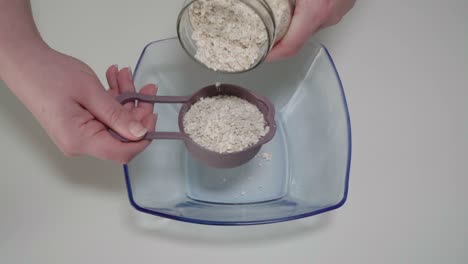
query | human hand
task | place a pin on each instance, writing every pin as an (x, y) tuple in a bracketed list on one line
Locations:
[(71, 104), (309, 17), (65, 95)]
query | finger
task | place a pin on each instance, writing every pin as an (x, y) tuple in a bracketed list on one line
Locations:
[(144, 109), (139, 113), (104, 146), (113, 93), (149, 89), (111, 75), (126, 85), (340, 8), (107, 110), (150, 121), (305, 21)]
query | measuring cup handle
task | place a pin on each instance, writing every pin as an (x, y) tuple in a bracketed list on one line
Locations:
[(165, 135), (151, 136), (129, 97)]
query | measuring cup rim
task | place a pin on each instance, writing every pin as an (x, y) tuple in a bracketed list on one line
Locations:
[(269, 118)]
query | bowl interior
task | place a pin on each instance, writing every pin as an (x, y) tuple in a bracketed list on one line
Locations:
[(303, 171)]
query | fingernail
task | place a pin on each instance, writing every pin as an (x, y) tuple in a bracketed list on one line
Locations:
[(130, 74), (137, 129), (115, 66)]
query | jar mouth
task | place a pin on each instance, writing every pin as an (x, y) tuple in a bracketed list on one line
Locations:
[(271, 34)]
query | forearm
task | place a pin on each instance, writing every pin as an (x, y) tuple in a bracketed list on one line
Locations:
[(20, 40)]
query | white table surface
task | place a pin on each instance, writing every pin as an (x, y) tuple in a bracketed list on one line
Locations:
[(404, 65)]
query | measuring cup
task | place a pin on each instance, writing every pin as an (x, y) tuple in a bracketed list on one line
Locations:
[(209, 157)]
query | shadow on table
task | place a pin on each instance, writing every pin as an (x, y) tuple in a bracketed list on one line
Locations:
[(82, 171), (203, 235)]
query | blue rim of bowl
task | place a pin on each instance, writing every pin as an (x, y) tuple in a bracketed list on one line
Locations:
[(257, 222)]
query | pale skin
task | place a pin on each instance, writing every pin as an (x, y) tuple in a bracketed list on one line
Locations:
[(71, 104), (309, 17)]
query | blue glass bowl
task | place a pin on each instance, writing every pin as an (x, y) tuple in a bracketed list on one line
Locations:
[(302, 172)]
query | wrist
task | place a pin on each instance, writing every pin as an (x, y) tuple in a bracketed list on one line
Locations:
[(17, 56)]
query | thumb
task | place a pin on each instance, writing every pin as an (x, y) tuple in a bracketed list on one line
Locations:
[(305, 21), (110, 112)]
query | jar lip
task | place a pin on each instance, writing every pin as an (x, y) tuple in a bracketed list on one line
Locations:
[(272, 16), (270, 40)]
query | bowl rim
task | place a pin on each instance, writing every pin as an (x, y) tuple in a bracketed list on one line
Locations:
[(265, 221)]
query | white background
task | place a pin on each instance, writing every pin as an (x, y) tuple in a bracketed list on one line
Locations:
[(404, 65)]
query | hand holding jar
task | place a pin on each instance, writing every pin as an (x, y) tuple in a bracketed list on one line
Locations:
[(309, 17), (238, 35)]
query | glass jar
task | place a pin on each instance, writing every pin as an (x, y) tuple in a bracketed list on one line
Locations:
[(232, 36)]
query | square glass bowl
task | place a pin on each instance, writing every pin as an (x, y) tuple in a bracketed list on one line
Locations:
[(302, 172)]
